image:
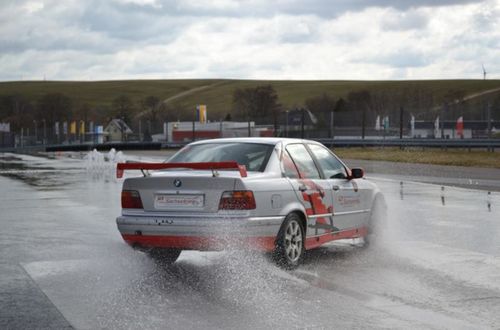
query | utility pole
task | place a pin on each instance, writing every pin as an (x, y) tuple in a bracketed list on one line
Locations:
[(194, 131), (36, 132), (441, 123), (488, 115), (248, 120), (122, 128), (286, 123), (44, 132), (401, 122), (140, 131), (302, 123), (363, 123), (331, 124)]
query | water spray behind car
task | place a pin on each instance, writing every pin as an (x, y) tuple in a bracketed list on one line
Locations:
[(101, 166)]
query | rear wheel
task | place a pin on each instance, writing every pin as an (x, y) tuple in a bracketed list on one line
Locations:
[(164, 256), (289, 249)]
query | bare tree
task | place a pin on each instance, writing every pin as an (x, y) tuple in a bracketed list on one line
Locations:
[(152, 106), (16, 110), (321, 106), (123, 107), (256, 103), (361, 101), (54, 107)]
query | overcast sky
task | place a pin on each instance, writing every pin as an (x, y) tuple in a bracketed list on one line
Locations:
[(249, 39)]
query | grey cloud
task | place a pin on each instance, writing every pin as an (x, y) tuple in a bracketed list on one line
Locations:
[(78, 38), (96, 27), (132, 22), (403, 21), (322, 8), (256, 8)]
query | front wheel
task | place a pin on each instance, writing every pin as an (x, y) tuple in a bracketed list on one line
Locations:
[(289, 249), (164, 256)]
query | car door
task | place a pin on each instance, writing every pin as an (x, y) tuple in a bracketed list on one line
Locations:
[(346, 197), (311, 189)]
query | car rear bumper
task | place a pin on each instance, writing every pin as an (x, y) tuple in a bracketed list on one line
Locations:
[(200, 233)]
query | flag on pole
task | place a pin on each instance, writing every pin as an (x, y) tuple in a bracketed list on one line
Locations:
[(56, 128), (386, 123), (460, 127), (436, 128), (377, 123), (72, 127), (65, 128), (82, 127), (201, 113)]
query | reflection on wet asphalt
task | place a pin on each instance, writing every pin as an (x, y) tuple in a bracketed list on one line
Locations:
[(436, 264)]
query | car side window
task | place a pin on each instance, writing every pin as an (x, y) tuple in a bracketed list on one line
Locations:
[(332, 167), (288, 167), (303, 161)]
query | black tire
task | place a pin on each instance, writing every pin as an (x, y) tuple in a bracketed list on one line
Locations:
[(378, 216), (164, 256), (289, 250)]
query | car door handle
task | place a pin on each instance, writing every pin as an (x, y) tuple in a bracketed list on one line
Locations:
[(302, 187), (335, 187)]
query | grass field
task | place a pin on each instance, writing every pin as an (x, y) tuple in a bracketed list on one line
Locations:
[(217, 94), (474, 158)]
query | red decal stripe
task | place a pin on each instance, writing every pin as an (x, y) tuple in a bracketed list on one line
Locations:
[(313, 242), (199, 242)]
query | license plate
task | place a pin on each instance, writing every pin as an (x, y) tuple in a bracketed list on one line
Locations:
[(178, 201)]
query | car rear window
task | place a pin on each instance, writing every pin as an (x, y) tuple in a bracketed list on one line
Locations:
[(253, 155)]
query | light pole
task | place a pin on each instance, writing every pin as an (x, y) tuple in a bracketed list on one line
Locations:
[(36, 132), (331, 124), (286, 123), (302, 124), (248, 120), (44, 131), (122, 128)]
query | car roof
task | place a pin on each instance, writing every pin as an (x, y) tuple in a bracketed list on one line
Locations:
[(261, 140)]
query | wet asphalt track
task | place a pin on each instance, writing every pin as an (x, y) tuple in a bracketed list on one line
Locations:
[(63, 264)]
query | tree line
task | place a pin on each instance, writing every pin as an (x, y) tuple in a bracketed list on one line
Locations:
[(361, 107), (260, 104), (52, 108)]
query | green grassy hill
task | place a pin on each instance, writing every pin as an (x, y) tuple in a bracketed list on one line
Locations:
[(217, 93)]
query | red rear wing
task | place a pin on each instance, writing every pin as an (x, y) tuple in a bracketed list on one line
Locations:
[(121, 167)]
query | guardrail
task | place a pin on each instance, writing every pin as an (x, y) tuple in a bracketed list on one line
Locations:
[(106, 146), (488, 144)]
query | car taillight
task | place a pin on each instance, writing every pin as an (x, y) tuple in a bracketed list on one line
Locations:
[(131, 199), (237, 200)]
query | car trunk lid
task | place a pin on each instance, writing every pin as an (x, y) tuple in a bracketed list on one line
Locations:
[(198, 191)]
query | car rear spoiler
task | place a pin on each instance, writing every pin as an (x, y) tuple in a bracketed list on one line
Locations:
[(213, 166)]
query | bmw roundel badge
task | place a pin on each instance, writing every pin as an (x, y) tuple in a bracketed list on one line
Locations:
[(177, 183)]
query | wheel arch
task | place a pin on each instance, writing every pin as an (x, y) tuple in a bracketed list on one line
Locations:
[(299, 210), (378, 198), (303, 220)]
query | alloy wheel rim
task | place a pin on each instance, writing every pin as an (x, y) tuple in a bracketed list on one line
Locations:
[(293, 241)]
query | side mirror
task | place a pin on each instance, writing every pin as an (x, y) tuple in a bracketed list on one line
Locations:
[(356, 173)]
